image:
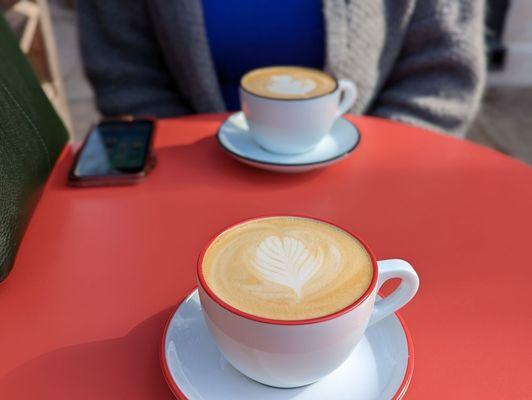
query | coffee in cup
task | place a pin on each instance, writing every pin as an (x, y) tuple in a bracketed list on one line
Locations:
[(287, 268), (288, 83), (287, 298), (290, 109)]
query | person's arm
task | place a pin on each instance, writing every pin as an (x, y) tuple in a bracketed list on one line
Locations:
[(438, 78), (123, 60)]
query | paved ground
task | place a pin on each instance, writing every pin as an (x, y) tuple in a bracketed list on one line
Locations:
[(504, 122), (78, 91)]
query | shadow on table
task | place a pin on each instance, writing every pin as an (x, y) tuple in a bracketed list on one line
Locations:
[(126, 367), (205, 163)]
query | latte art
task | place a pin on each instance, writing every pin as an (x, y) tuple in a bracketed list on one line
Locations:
[(286, 261), (288, 82), (287, 268)]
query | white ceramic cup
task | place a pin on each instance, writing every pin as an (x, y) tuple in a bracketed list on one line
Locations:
[(295, 353), (293, 126)]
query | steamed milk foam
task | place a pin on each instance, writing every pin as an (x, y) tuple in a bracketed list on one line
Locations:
[(287, 268), (288, 82)]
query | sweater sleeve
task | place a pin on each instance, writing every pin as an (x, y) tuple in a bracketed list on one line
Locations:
[(438, 78), (123, 60)]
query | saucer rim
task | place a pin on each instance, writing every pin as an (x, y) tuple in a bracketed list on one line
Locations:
[(288, 165), (399, 394)]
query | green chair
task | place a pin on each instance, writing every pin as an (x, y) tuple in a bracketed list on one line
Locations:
[(31, 138)]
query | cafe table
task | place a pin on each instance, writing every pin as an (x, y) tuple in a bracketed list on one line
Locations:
[(100, 270)]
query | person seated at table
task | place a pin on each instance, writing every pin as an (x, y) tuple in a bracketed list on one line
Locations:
[(416, 61)]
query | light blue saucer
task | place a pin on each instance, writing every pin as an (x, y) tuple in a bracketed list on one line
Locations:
[(235, 139)]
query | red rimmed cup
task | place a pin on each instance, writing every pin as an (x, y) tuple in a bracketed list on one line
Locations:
[(295, 353)]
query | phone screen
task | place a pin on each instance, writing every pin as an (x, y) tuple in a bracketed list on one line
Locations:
[(115, 148)]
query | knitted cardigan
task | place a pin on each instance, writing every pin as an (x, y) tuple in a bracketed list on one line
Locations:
[(416, 61)]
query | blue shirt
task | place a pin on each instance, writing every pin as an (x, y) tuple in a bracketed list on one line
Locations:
[(247, 34)]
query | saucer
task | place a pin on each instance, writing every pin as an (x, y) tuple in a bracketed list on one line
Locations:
[(235, 139), (379, 368)]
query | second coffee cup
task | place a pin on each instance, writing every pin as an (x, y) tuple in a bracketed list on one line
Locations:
[(289, 110)]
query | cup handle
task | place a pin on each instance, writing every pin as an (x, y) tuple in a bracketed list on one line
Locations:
[(389, 269), (350, 93)]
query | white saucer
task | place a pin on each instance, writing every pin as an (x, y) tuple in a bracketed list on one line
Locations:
[(380, 367), (235, 139)]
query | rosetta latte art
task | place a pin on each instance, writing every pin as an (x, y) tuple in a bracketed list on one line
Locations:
[(286, 261), (286, 84)]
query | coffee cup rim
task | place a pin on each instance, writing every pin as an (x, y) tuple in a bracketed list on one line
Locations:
[(336, 86), (272, 321)]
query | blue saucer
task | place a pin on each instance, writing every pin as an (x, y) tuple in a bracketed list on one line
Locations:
[(235, 139)]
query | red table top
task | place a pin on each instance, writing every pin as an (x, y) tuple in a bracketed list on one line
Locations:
[(99, 270)]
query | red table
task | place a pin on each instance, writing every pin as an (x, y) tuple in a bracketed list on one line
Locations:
[(99, 270)]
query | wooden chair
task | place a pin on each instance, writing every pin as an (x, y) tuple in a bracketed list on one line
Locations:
[(30, 21)]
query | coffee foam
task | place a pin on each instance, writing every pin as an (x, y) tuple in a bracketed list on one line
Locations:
[(288, 82), (287, 268)]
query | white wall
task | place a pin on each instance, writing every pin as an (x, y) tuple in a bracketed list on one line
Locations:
[(518, 41)]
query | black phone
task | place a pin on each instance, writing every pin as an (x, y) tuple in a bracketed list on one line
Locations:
[(115, 152)]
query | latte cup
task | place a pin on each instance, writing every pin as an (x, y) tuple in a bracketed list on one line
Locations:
[(293, 353), (295, 125)]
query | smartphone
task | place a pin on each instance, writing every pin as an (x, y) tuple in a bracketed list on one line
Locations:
[(115, 153)]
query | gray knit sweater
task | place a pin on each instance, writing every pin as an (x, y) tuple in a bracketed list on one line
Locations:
[(416, 61)]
